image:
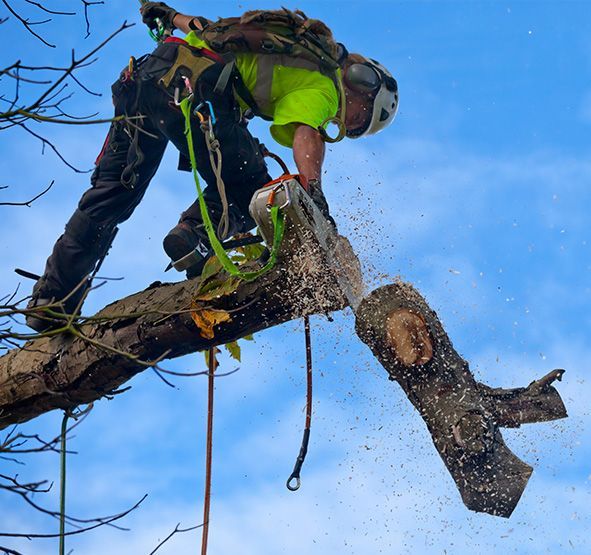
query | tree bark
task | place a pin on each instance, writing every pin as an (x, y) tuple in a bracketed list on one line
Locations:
[(171, 320), (65, 371), (462, 415)]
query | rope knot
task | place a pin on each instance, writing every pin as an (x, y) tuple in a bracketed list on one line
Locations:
[(214, 145)]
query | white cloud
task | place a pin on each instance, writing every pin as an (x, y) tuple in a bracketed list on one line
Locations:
[(393, 497)]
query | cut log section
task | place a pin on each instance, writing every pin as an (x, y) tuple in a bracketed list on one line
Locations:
[(462, 415)]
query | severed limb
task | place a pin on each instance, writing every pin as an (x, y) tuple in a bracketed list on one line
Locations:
[(463, 417)]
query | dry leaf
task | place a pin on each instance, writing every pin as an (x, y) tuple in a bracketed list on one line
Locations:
[(205, 320)]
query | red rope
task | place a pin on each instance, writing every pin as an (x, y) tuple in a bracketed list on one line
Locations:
[(209, 449), (308, 372)]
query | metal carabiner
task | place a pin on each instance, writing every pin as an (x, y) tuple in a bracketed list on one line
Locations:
[(211, 112), (177, 91), (177, 94), (188, 85), (197, 108), (273, 193)]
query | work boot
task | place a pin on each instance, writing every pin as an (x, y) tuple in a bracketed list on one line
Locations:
[(41, 296), (187, 249), (40, 323)]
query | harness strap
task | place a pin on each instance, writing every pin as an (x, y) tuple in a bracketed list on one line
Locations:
[(224, 78), (244, 93), (277, 216)]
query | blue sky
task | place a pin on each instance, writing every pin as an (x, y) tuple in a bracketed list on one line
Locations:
[(478, 195)]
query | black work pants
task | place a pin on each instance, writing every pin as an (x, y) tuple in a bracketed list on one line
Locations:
[(129, 160)]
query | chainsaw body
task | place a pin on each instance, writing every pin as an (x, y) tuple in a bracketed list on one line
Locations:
[(308, 234)]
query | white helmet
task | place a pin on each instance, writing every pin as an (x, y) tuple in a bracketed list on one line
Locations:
[(369, 76)]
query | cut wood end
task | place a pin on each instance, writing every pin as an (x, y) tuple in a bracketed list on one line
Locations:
[(409, 337)]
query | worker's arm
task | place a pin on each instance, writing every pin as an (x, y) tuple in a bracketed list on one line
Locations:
[(182, 22), (308, 152), (168, 16)]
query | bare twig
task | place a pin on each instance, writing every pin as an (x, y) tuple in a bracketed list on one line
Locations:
[(177, 530), (75, 64), (46, 142), (7, 550), (53, 12), (102, 522), (28, 24), (27, 203), (87, 4)]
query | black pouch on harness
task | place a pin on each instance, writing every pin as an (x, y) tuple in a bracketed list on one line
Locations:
[(185, 65), (158, 62)]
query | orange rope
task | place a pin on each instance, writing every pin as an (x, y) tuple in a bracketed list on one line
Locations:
[(308, 372), (209, 449)]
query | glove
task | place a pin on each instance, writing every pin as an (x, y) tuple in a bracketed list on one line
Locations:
[(319, 199), (151, 11)]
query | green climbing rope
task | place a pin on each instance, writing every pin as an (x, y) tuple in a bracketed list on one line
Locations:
[(62, 544), (277, 216)]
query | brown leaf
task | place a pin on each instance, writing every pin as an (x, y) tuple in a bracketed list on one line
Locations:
[(205, 320)]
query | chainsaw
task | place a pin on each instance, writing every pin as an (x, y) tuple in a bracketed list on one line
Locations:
[(308, 234)]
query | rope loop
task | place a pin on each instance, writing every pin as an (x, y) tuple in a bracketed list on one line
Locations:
[(340, 135)]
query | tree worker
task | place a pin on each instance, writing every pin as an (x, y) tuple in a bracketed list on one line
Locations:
[(294, 92)]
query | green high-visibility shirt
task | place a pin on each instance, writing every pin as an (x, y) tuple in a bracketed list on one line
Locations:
[(288, 95)]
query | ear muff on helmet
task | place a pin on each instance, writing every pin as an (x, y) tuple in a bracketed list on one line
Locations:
[(362, 78), (372, 78)]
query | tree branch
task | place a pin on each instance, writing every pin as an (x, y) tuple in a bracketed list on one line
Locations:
[(88, 359), (29, 202), (27, 24)]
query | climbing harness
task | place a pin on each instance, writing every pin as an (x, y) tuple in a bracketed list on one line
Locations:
[(295, 475), (289, 35), (280, 37), (276, 213)]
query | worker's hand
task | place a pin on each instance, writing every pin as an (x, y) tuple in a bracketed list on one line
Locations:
[(315, 191), (151, 11)]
